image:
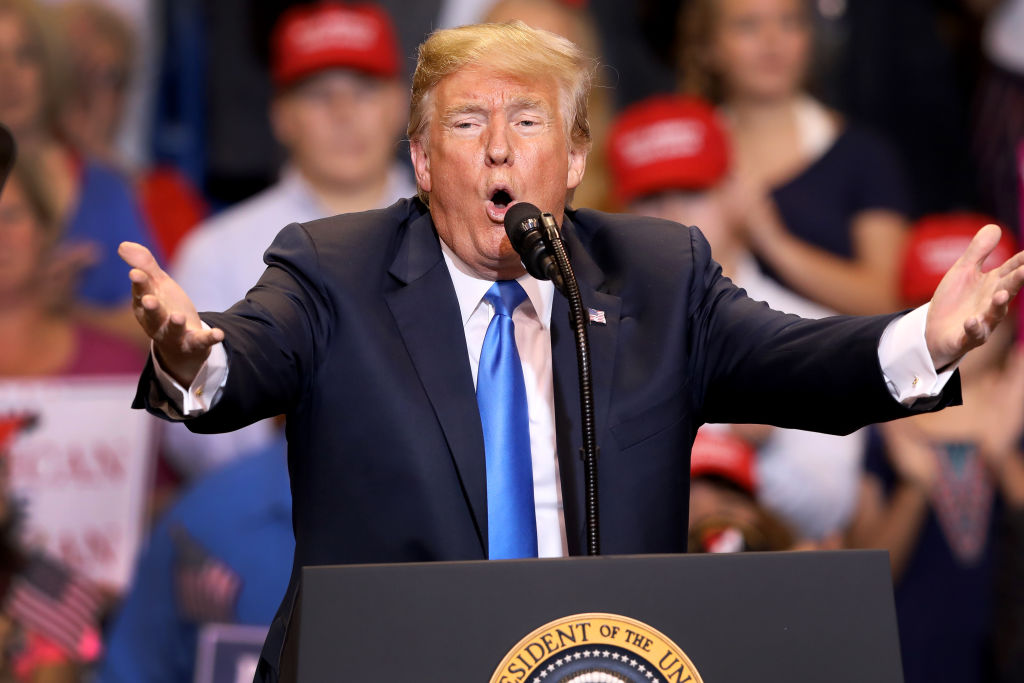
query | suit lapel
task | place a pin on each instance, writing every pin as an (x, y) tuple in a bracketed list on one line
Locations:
[(427, 312), (603, 340)]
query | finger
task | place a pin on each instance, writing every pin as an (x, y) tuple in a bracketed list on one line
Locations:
[(975, 331), (138, 256), (982, 244), (1001, 301), (154, 315), (174, 336), (1011, 264), (998, 308), (204, 339), (1011, 281), (141, 285)]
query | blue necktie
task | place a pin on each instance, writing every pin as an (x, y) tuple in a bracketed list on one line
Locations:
[(501, 396)]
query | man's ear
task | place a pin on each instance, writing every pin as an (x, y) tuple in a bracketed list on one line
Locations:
[(420, 163), (577, 165)]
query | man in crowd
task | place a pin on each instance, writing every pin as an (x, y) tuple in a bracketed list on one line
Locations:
[(726, 515), (370, 331), (338, 111)]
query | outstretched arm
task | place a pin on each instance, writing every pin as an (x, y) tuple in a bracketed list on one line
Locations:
[(167, 315)]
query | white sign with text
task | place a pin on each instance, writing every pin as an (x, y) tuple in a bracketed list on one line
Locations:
[(82, 471)]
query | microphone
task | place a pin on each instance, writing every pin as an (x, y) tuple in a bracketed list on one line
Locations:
[(525, 227), (7, 154), (534, 236)]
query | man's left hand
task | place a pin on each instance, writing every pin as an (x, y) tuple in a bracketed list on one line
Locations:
[(968, 304)]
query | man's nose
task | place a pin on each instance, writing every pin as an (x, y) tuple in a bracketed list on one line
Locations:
[(341, 103), (499, 145)]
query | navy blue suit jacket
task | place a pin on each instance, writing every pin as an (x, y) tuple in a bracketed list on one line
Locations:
[(354, 332)]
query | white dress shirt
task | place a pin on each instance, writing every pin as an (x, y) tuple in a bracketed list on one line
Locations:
[(903, 356), (532, 320)]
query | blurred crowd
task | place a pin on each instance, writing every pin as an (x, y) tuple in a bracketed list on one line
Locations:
[(837, 154)]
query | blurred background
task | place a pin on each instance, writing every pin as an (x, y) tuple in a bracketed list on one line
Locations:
[(837, 154)]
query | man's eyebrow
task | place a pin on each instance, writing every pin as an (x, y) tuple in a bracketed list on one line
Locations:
[(459, 109), (515, 104), (526, 102)]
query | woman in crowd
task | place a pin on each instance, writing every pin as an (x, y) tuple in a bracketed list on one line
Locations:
[(934, 489), (40, 340), (826, 202), (103, 47), (94, 204)]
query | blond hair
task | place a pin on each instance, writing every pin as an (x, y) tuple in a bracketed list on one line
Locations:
[(103, 22), (514, 49), (40, 28)]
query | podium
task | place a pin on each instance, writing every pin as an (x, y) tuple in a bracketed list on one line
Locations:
[(749, 617)]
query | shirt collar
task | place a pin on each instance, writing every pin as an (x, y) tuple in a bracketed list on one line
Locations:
[(470, 288)]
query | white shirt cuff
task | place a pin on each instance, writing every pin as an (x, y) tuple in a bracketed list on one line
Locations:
[(205, 389), (906, 363)]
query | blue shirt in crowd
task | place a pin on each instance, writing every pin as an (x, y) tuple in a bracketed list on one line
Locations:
[(106, 215), (241, 515)]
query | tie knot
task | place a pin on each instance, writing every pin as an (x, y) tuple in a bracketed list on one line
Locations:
[(505, 296)]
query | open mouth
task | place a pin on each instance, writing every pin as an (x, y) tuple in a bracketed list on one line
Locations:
[(501, 199)]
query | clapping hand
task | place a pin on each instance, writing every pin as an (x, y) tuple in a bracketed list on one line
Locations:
[(62, 272), (968, 304), (910, 454), (167, 315), (1002, 411)]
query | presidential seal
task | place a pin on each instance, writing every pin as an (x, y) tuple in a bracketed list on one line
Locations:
[(596, 648)]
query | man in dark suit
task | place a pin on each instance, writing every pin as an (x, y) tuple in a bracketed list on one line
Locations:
[(366, 331)]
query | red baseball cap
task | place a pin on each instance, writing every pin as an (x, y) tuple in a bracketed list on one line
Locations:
[(667, 142), (726, 455), (934, 245), (310, 38)]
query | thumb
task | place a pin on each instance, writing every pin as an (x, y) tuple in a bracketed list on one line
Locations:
[(138, 256), (982, 244)]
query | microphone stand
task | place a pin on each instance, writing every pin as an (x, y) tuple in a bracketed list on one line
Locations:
[(579, 320)]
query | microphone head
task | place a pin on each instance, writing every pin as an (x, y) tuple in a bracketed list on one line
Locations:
[(515, 216), (522, 225)]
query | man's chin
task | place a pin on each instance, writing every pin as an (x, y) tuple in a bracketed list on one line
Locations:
[(498, 261)]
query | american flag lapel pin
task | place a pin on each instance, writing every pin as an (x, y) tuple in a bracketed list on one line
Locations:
[(597, 317)]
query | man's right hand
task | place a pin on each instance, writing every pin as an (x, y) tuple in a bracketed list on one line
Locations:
[(167, 315)]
